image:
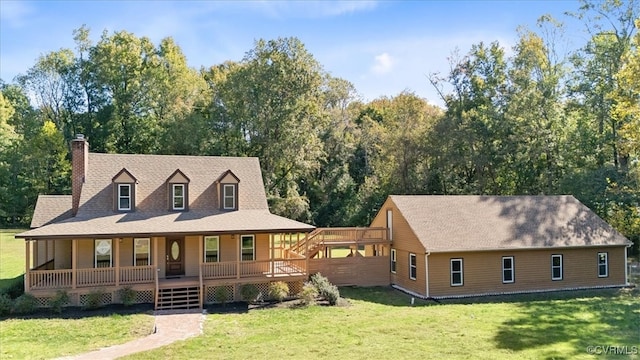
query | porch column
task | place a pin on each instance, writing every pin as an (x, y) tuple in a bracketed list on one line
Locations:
[(273, 244), (155, 251), (200, 262), (35, 255), (306, 251), (74, 262), (116, 251), (46, 251), (239, 257), (27, 256)]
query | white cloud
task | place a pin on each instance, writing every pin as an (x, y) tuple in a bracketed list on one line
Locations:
[(14, 12), (308, 9), (383, 64)]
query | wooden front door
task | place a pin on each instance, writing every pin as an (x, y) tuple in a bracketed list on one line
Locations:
[(175, 257)]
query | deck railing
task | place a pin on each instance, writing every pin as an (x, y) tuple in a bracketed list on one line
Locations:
[(96, 277), (137, 274), (50, 279), (219, 270), (327, 236)]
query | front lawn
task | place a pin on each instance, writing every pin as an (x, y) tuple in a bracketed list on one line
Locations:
[(11, 257), (382, 324)]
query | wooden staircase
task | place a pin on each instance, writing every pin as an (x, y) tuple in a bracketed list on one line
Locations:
[(178, 298)]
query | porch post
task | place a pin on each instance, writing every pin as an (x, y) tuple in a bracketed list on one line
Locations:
[(116, 251), (273, 244), (34, 255), (239, 257), (155, 251), (46, 251), (74, 262), (306, 251), (200, 262), (27, 256)]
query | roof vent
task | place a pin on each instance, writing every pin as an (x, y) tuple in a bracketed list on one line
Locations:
[(80, 136)]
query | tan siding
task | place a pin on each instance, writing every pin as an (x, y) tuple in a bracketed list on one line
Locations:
[(126, 252), (228, 179), (405, 242), (360, 271), (178, 178), (191, 256), (85, 253), (483, 271), (262, 247), (62, 254), (228, 248), (123, 178)]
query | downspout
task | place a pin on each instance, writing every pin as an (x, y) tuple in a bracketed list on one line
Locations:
[(426, 268), (626, 266)]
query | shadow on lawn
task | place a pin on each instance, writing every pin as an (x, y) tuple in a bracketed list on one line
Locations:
[(564, 328), (74, 312)]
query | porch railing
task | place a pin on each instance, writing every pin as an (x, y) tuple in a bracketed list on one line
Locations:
[(277, 267), (137, 274), (96, 277), (50, 279), (219, 270)]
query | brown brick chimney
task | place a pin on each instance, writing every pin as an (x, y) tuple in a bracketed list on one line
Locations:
[(79, 166)]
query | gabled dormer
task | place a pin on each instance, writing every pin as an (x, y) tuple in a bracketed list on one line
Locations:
[(178, 190), (124, 191), (228, 187)]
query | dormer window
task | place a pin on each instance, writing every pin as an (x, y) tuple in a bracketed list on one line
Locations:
[(228, 184), (229, 196), (124, 197), (124, 191), (177, 194), (178, 190)]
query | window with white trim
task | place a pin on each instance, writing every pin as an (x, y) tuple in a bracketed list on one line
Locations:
[(413, 267), (229, 196), (508, 274), (556, 267), (390, 223), (211, 249), (247, 243), (141, 251), (456, 272), (124, 197), (603, 264), (178, 196), (393, 261), (103, 253)]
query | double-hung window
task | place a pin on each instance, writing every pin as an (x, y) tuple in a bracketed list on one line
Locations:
[(124, 197), (103, 253), (508, 275), (248, 247), (229, 196), (393, 261), (556, 267), (603, 264), (141, 251), (211, 249), (456, 272), (413, 267), (177, 196)]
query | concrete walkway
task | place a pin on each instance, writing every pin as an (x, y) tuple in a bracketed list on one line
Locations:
[(170, 326)]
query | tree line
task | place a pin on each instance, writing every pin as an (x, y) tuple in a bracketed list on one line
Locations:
[(527, 120)]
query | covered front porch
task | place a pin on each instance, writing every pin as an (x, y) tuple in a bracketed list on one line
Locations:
[(149, 263)]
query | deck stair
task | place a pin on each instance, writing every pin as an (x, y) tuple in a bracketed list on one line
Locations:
[(177, 298)]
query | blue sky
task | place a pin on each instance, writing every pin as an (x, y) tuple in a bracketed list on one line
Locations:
[(383, 47)]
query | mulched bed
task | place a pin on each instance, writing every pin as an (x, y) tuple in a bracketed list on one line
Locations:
[(74, 312)]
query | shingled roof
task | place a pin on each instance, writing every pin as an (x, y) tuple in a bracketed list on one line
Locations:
[(472, 223), (96, 215), (51, 208)]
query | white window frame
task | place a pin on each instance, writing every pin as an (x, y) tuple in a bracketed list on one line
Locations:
[(217, 249), (95, 252), (511, 269), (413, 265), (253, 247), (174, 196), (390, 224), (556, 256), (605, 265), (135, 251), (461, 271), (394, 264), (120, 197), (226, 196)]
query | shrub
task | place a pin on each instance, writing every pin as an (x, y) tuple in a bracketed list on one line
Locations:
[(94, 299), (221, 295), (331, 294), (308, 294), (278, 290), (15, 288), (128, 296), (25, 304), (319, 281), (249, 292), (5, 304), (58, 301)]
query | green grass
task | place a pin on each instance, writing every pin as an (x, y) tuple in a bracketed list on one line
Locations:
[(381, 323), (51, 338), (11, 257)]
